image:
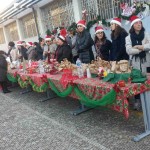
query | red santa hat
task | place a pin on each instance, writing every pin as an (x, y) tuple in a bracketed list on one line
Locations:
[(98, 29), (48, 38), (63, 33), (29, 43), (19, 43), (81, 23), (134, 19), (116, 21)]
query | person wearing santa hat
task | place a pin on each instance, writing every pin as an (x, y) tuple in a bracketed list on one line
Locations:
[(22, 51), (49, 48), (138, 44), (138, 47), (118, 35), (102, 44), (31, 52), (84, 43), (63, 49)]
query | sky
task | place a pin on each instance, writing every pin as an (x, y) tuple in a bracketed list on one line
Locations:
[(4, 4)]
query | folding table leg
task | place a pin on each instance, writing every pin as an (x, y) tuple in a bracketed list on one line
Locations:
[(80, 110), (145, 99), (26, 90), (50, 95)]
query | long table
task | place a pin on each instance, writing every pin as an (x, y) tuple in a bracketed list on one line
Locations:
[(94, 89)]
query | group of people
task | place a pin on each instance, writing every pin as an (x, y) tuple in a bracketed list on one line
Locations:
[(133, 46)]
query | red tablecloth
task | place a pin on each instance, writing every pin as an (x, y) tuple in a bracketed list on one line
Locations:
[(95, 89)]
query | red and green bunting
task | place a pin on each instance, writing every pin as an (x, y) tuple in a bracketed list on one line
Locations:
[(88, 95)]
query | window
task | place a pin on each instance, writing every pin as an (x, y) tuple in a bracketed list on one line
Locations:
[(106, 9), (28, 26), (12, 32), (2, 38), (57, 13), (91, 7)]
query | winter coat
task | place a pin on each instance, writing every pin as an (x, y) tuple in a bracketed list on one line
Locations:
[(63, 51), (13, 54), (3, 68), (40, 50), (104, 51), (23, 53), (84, 44), (74, 51), (132, 51), (32, 54), (118, 51), (52, 49)]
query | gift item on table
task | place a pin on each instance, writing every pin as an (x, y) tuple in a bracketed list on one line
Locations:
[(94, 66), (88, 73), (123, 67), (65, 64)]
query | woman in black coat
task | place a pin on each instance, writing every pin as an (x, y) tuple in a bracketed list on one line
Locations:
[(84, 43), (118, 36), (102, 44), (63, 49), (3, 72)]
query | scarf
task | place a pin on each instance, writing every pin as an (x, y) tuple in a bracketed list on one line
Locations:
[(98, 46), (137, 40)]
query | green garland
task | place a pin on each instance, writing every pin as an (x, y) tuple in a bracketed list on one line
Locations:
[(23, 84), (11, 78), (65, 93), (36, 88), (108, 99)]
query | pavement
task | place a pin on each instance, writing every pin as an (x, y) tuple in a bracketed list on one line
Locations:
[(28, 124)]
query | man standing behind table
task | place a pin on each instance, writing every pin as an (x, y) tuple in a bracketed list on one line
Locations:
[(31, 53), (12, 52), (40, 48), (22, 51), (49, 48)]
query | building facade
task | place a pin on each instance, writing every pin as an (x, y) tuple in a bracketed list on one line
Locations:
[(29, 19)]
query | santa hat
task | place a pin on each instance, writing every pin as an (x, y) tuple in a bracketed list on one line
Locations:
[(81, 23), (116, 21), (48, 38), (98, 29), (134, 19), (19, 43), (29, 43), (63, 34)]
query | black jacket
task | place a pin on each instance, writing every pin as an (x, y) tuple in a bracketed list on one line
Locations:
[(84, 44), (40, 50), (23, 52), (3, 68), (63, 51), (118, 51)]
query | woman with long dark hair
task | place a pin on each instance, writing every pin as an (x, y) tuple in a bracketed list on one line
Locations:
[(138, 47), (102, 44), (118, 36)]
